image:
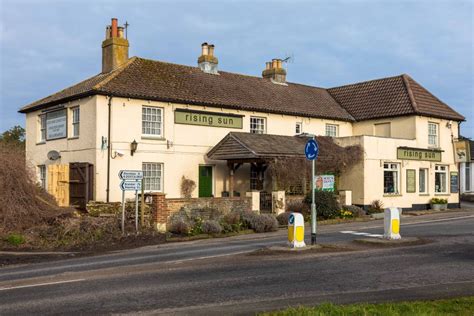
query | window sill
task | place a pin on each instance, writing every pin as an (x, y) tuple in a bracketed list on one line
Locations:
[(153, 137), (424, 194), (41, 143), (74, 137), (392, 195), (442, 194)]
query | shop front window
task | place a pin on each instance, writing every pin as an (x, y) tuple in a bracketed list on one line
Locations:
[(391, 178), (440, 179), (423, 178)]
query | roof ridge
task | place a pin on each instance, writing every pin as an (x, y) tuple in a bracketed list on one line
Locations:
[(410, 92), (113, 74), (362, 82)]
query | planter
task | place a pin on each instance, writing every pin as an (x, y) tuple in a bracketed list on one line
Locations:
[(377, 215), (439, 207)]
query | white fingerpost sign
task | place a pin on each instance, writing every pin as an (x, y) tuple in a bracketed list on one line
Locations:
[(131, 181), (296, 231), (392, 223), (131, 174)]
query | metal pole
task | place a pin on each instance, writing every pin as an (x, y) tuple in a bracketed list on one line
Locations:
[(136, 210), (123, 212), (313, 205), (142, 207)]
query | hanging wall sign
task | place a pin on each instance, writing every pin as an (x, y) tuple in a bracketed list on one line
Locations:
[(408, 153), (56, 124), (202, 118)]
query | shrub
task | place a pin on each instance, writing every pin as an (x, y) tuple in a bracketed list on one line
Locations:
[(375, 207), (211, 227), (326, 204), (248, 218), (180, 226), (356, 211), (264, 223), (15, 239), (438, 201), (231, 222), (299, 207), (283, 218), (345, 214), (187, 187)]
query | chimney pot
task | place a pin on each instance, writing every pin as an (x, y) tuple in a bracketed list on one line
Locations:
[(114, 27), (207, 62), (274, 63), (211, 50), (205, 49), (279, 64), (268, 65), (275, 72)]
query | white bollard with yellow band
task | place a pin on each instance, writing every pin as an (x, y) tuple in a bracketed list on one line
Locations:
[(296, 231), (392, 223)]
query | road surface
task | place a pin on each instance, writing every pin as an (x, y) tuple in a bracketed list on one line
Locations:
[(219, 276)]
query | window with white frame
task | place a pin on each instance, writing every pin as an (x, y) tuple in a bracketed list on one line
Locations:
[(152, 118), (42, 127), (152, 176), (42, 175), (257, 125), (332, 130), (441, 178), (391, 178), (423, 181), (433, 134), (298, 128), (75, 121)]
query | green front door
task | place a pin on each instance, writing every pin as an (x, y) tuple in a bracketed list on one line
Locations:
[(205, 181)]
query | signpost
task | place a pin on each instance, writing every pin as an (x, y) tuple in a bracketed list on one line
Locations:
[(131, 181), (311, 150)]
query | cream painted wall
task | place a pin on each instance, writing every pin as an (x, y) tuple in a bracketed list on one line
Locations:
[(183, 147), (400, 127), (81, 149)]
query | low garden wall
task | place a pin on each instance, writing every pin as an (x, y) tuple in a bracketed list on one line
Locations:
[(163, 208)]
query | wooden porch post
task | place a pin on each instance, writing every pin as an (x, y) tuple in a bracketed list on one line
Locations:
[(231, 178)]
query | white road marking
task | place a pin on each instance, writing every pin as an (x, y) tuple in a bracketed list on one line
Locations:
[(361, 234), (39, 284)]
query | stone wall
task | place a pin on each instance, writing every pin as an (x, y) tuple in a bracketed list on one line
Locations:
[(163, 208)]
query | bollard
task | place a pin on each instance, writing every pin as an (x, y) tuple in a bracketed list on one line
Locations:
[(296, 231), (392, 223)]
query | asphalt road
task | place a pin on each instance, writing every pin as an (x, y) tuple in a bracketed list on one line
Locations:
[(227, 276)]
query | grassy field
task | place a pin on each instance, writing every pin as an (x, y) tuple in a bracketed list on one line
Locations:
[(458, 306)]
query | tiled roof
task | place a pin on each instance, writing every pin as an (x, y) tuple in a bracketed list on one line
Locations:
[(154, 80), (388, 97)]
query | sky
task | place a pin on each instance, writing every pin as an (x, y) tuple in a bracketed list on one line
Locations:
[(47, 46)]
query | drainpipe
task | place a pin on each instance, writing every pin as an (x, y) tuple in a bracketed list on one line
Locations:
[(109, 148)]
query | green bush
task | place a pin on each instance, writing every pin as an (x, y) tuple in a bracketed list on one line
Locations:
[(438, 201), (264, 223), (283, 218), (211, 227), (327, 206), (300, 207), (356, 211), (247, 219), (179, 226), (15, 239), (375, 207)]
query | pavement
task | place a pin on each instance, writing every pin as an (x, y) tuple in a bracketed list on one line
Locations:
[(229, 276)]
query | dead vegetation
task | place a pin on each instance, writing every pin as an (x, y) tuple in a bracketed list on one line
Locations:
[(23, 204)]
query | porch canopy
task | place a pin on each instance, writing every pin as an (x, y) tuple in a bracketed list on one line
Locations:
[(257, 149)]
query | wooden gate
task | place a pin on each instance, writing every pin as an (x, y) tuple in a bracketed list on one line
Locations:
[(81, 184), (58, 183)]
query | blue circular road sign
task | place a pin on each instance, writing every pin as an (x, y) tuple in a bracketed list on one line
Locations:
[(311, 149), (291, 219)]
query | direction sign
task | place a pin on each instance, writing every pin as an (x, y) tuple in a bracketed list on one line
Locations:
[(291, 219), (311, 149), (131, 174), (131, 185)]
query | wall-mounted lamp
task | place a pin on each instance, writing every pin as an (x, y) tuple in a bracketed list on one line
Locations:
[(133, 147)]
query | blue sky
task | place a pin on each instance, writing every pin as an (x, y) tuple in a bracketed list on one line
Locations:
[(49, 45)]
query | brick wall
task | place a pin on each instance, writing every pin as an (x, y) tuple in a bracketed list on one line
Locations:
[(163, 208)]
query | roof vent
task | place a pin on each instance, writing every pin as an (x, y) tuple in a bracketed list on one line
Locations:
[(275, 71), (207, 61)]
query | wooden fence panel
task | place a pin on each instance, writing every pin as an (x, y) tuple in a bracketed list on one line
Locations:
[(58, 183)]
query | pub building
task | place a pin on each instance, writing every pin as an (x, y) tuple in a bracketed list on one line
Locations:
[(219, 129)]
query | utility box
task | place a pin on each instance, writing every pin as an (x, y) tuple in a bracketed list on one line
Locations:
[(296, 231), (392, 223)]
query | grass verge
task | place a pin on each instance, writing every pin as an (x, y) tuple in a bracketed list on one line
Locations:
[(457, 306)]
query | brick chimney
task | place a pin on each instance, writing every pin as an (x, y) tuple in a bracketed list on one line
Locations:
[(207, 61), (275, 71), (114, 47)]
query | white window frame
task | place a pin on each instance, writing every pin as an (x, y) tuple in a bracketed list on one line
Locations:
[(42, 176), (298, 128), (332, 130), (425, 172), (441, 170), (258, 125), (76, 117), (394, 168), (42, 127), (153, 182), (152, 121), (433, 134)]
